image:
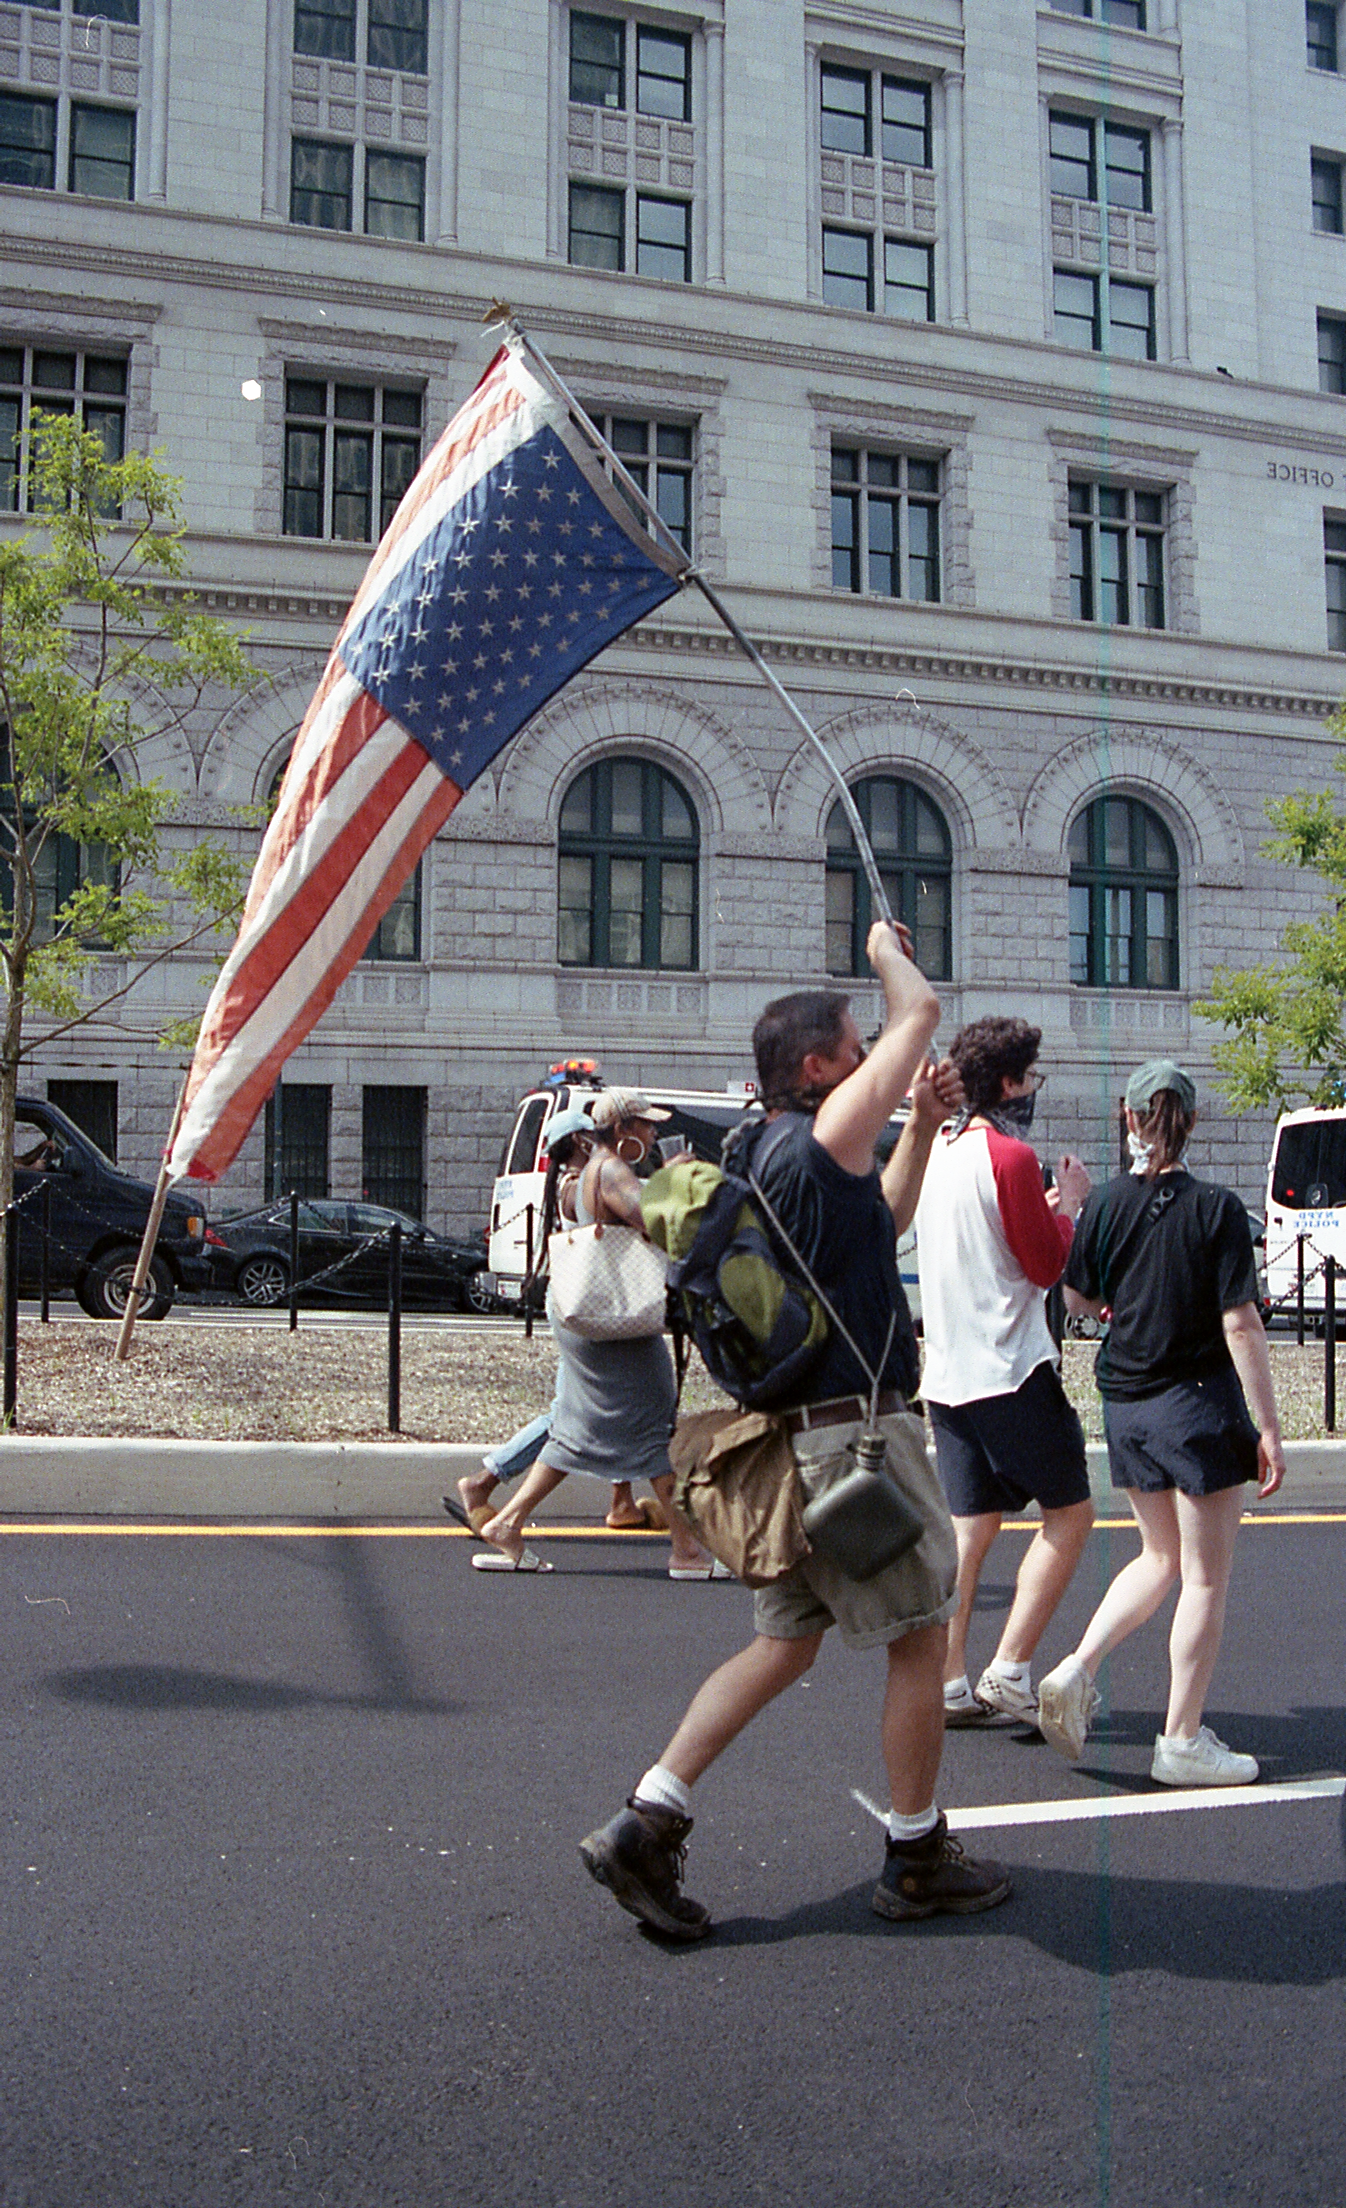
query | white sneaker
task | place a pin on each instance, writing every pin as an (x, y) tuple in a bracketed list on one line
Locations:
[(1067, 1700), (1008, 1697), (1204, 1761)]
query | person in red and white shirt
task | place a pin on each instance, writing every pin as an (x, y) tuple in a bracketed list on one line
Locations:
[(989, 1241)]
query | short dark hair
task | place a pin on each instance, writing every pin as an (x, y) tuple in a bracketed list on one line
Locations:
[(987, 1052), (787, 1031)]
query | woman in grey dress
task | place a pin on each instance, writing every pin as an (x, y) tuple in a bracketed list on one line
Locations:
[(614, 1400)]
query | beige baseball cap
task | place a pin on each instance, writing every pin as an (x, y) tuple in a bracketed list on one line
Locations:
[(615, 1105)]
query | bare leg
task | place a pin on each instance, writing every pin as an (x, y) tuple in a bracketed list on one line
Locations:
[(505, 1530), (624, 1513), (724, 1703), (1044, 1576), (974, 1537), (1141, 1585), (1208, 1526), (913, 1718), (475, 1489), (686, 1552)]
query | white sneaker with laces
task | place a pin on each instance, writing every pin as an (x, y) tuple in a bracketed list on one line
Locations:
[(1008, 1697), (1067, 1700), (1204, 1761)]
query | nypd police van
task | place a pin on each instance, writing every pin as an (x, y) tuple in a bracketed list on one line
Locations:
[(1306, 1195)]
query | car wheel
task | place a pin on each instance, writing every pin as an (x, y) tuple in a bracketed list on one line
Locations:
[(106, 1286), (263, 1280), (480, 1298)]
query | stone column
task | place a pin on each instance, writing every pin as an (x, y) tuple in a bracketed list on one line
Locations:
[(955, 198), (1175, 236), (712, 139)]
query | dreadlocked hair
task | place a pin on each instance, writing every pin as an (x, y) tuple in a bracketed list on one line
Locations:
[(559, 1162), (1166, 1126)]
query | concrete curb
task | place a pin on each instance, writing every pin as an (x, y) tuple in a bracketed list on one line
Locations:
[(91, 1477)]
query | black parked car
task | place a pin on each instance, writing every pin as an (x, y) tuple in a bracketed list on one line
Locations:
[(98, 1216), (250, 1253)]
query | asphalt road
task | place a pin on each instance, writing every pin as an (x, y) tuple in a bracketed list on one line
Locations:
[(296, 1913)]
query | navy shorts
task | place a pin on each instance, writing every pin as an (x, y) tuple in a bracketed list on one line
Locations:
[(1196, 1436), (1004, 1452)]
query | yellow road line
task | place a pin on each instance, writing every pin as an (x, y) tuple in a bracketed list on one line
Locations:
[(414, 1530)]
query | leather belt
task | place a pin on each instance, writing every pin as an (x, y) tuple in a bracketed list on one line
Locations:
[(841, 1410)]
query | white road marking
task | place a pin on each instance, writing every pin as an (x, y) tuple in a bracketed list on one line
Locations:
[(1102, 1806)]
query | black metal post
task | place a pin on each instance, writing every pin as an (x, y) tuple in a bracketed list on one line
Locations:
[(395, 1327), (294, 1259), (9, 1385), (44, 1285), (1299, 1306), (1330, 1345), (528, 1273)]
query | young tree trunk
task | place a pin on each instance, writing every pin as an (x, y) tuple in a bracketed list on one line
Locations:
[(10, 1042)]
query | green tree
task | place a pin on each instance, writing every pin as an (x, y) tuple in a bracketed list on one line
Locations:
[(97, 659), (1286, 1044)]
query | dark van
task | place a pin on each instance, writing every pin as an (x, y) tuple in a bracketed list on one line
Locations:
[(97, 1221)]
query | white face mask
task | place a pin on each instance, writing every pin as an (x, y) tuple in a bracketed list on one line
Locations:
[(1140, 1152)]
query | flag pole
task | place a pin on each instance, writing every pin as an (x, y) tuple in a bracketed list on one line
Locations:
[(503, 316), (151, 1236)]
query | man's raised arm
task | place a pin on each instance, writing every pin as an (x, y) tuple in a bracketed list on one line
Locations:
[(851, 1119)]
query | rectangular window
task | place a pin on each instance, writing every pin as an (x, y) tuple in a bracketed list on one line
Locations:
[(1076, 171), (27, 141), (393, 1149), (1117, 555), (320, 184), (885, 523), (297, 1140), (1321, 26), (1075, 302), (1097, 314), (659, 457), (1332, 353), (597, 227), (663, 238), (848, 269), (397, 36), (397, 938), (93, 1107), (663, 74), (91, 386), (1130, 320), (395, 196), (846, 111), (905, 111), (1326, 180), (325, 28), (1334, 547), (908, 280), (597, 60), (351, 450), (103, 152), (1129, 14)]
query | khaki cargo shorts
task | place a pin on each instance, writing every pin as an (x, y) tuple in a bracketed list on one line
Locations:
[(917, 1590)]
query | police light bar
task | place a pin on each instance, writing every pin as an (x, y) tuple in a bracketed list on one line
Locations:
[(573, 1069)]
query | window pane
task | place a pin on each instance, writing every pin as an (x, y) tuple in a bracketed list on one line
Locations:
[(663, 239), (27, 142), (1326, 180), (1150, 582), (1321, 24), (848, 269), (626, 906), (401, 458), (885, 814), (1079, 933), (320, 185), (574, 912), (907, 287), (678, 825), (932, 837), (9, 453), (305, 397), (596, 223), (397, 36), (354, 402), (303, 483), (845, 546), (597, 61), (628, 811), (398, 934), (885, 574), (1128, 159), (1075, 303), (1071, 147), (325, 27), (906, 122), (845, 111), (923, 552), (1117, 938), (102, 152), (107, 424), (676, 914), (840, 925), (929, 923), (352, 476), (402, 408), (1331, 354), (395, 196), (1160, 856), (1131, 320), (577, 809), (1081, 573), (664, 75)]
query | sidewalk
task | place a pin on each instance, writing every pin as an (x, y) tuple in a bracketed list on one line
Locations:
[(360, 1482)]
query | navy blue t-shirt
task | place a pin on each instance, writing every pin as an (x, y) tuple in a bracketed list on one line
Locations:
[(1170, 1255), (847, 1237)]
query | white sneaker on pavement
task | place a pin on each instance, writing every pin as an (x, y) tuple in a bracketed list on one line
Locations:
[(1204, 1761), (1008, 1697), (1067, 1700)]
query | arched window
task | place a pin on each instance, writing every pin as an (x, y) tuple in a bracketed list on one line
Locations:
[(1123, 897), (398, 934), (915, 857), (627, 873), (61, 866)]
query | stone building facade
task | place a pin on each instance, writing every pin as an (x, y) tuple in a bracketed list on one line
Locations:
[(991, 354)]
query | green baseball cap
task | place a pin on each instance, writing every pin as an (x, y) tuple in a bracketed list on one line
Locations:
[(1160, 1073)]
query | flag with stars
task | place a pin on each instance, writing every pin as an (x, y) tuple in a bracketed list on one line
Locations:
[(511, 561)]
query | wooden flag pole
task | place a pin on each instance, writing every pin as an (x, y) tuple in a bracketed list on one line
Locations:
[(502, 316), (152, 1226)]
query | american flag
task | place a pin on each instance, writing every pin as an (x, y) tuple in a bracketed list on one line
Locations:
[(511, 561)]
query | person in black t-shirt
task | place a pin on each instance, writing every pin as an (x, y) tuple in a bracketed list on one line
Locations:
[(824, 1187), (1185, 1359)]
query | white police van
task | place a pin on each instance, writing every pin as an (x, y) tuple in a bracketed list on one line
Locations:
[(699, 1120), (1306, 1195)]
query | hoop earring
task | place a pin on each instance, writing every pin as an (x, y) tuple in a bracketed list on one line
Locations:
[(622, 1152)]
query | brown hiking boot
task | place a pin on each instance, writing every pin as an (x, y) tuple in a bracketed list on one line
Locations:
[(639, 1856), (932, 1877)]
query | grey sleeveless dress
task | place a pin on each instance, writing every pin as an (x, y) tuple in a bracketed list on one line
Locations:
[(614, 1402)]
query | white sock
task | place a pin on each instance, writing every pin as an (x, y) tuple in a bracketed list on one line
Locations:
[(1020, 1675), (912, 1828), (958, 1690), (663, 1789)]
